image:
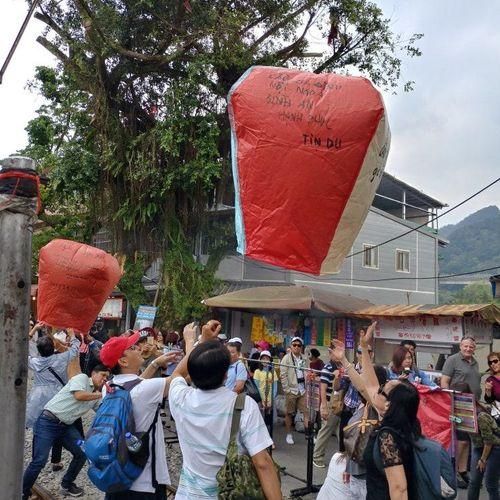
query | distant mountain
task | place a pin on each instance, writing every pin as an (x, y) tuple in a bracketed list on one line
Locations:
[(474, 242)]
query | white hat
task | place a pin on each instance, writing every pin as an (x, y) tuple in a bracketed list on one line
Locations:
[(61, 336), (235, 340), (297, 338), (265, 353)]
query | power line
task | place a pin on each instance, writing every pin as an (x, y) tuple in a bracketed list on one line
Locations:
[(256, 264), (18, 38), (330, 279), (441, 276), (426, 223)]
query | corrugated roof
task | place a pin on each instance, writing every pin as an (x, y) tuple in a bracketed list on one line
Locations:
[(234, 286), (489, 312)]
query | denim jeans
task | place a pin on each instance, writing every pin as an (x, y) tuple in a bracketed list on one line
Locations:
[(45, 432), (491, 474)]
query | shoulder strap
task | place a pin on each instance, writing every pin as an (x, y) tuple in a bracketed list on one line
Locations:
[(239, 404), (127, 386), (60, 380), (152, 427)]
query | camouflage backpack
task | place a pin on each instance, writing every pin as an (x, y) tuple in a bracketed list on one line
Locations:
[(237, 478)]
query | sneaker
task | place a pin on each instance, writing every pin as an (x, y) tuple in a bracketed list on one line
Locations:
[(319, 464), (289, 439), (460, 482), (57, 467), (72, 490)]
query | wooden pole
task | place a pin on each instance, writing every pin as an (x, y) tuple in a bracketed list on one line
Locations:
[(16, 228)]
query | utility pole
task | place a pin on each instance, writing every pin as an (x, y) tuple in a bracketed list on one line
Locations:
[(18, 203)]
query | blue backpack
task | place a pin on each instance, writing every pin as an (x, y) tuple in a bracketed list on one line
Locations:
[(434, 471), (112, 467)]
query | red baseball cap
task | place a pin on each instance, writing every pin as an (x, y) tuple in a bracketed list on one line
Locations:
[(114, 348)]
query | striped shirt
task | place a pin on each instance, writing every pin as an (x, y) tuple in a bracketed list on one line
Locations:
[(327, 377)]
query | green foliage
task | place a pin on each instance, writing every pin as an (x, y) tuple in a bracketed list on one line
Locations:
[(134, 135), (131, 282), (474, 293), (474, 243), (185, 284)]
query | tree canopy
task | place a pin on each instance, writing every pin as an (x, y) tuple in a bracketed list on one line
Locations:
[(134, 135)]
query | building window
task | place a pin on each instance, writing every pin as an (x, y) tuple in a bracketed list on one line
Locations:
[(403, 261), (370, 256)]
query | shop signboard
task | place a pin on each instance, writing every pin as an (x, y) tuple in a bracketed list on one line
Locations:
[(145, 317), (112, 309), (349, 334), (440, 329), (481, 330)]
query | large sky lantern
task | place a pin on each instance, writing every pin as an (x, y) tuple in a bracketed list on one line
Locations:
[(308, 153), (74, 281)]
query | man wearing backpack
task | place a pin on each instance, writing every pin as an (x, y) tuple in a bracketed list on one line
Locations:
[(203, 415), (77, 397), (123, 356)]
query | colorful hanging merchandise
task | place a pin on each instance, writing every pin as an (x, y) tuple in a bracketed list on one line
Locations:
[(308, 153)]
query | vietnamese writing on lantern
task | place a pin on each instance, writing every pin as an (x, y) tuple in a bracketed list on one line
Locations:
[(296, 98)]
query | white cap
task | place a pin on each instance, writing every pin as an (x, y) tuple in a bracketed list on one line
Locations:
[(235, 340), (297, 338), (61, 336), (265, 353)]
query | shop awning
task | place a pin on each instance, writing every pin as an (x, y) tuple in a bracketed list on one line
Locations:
[(488, 312), (288, 298)]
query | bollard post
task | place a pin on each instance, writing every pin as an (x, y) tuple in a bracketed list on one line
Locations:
[(18, 183)]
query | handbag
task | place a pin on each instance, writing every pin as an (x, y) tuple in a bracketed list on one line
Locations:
[(250, 389), (337, 402), (237, 478), (495, 412), (357, 434)]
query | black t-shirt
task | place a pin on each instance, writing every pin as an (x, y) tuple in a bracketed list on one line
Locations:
[(394, 450)]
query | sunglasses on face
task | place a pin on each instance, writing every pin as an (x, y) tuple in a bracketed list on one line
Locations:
[(492, 362), (296, 345)]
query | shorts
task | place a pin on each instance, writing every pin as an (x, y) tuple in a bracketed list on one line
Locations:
[(462, 435), (294, 402)]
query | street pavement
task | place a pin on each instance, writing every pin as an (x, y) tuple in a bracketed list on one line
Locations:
[(294, 459)]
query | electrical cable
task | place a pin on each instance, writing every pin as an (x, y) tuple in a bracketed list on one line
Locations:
[(426, 223), (330, 279), (242, 258)]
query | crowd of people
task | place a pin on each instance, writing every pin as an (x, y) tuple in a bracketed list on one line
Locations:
[(202, 375)]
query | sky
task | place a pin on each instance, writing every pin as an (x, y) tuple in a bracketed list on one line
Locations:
[(445, 133)]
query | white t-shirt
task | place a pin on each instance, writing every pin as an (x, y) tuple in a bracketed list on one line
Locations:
[(334, 486), (146, 397), (203, 422)]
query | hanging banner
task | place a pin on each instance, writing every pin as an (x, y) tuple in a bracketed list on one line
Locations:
[(349, 335), (464, 409), (308, 153), (434, 414), (442, 329), (327, 332)]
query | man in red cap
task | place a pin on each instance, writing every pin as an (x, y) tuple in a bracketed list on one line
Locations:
[(123, 356)]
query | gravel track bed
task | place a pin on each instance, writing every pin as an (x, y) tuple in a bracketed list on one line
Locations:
[(51, 481)]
